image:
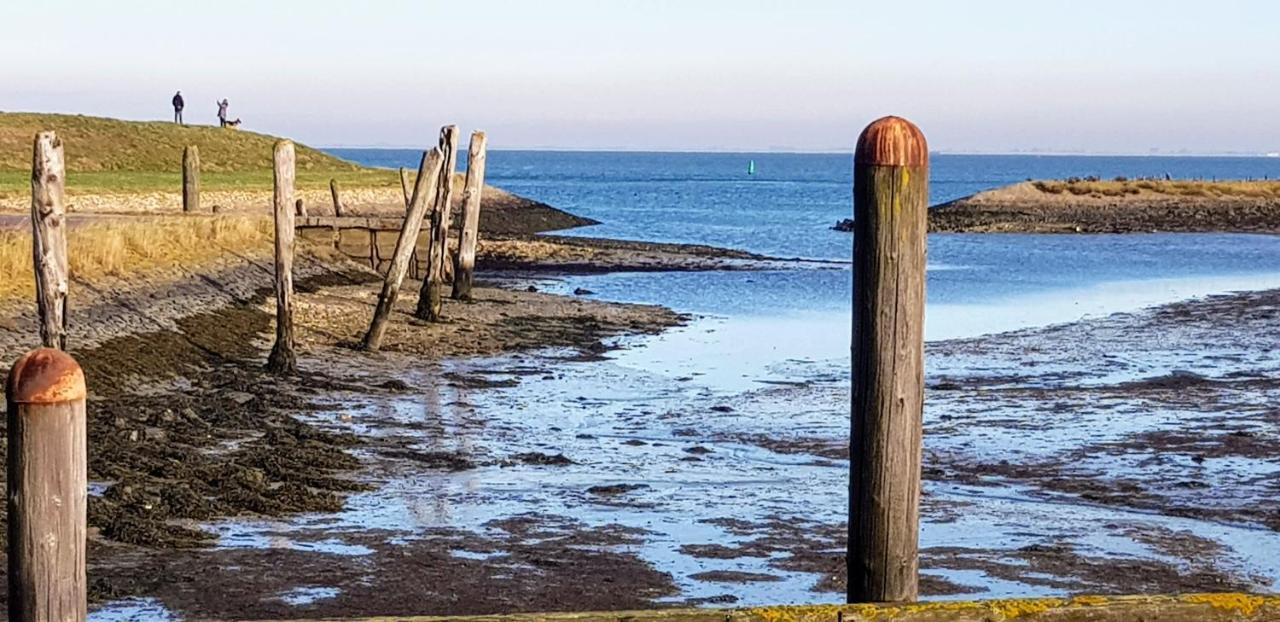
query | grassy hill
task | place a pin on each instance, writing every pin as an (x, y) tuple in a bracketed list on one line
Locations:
[(110, 155)]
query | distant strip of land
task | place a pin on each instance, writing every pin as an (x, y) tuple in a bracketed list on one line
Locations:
[(1115, 206)]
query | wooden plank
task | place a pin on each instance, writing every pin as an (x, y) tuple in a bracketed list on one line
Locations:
[(404, 188), (469, 236), (337, 199), (47, 488), (890, 190), (191, 179), (430, 297), (283, 359), (428, 178), (49, 238), (1228, 607)]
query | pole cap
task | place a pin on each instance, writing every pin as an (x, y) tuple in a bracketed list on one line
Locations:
[(45, 376), (892, 141)]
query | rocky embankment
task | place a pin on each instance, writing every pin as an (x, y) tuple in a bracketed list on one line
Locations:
[(1119, 206)]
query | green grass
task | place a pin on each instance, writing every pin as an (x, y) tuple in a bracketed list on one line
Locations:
[(1181, 188), (110, 156)]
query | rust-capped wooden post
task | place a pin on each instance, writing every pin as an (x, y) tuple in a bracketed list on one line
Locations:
[(190, 179), (890, 203), (424, 187), (430, 297), (282, 359), (49, 238), (47, 488), (337, 198), (465, 261)]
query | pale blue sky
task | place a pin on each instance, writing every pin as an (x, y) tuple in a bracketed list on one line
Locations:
[(980, 75)]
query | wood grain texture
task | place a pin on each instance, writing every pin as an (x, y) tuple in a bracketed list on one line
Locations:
[(404, 188), (47, 488), (469, 236), (191, 179), (336, 196), (424, 187), (283, 359), (49, 238), (431, 297), (890, 222)]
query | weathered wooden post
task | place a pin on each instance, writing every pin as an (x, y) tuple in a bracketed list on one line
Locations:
[(337, 199), (190, 179), (282, 359), (465, 261), (404, 188), (300, 209), (430, 297), (47, 488), (890, 199), (424, 187), (49, 238)]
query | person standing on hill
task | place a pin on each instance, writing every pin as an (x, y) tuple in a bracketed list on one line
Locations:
[(222, 112), (177, 108)]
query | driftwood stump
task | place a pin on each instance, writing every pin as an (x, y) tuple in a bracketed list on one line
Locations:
[(430, 298), (469, 236), (49, 238), (283, 360)]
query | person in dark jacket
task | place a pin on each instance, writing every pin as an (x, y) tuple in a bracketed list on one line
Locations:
[(222, 112), (177, 108)]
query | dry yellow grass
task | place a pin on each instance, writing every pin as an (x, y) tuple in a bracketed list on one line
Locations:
[(1179, 188), (135, 247)]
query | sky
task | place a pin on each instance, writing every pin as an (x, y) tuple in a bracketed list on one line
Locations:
[(1083, 76)]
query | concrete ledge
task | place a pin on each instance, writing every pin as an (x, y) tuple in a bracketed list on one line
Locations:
[(1228, 607)]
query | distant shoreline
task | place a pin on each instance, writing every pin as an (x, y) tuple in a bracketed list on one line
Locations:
[(1117, 206)]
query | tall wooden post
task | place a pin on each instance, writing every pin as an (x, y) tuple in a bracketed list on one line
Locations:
[(424, 187), (404, 188), (430, 297), (49, 238), (190, 179), (890, 202), (465, 262), (300, 208), (337, 199), (282, 359), (47, 488)]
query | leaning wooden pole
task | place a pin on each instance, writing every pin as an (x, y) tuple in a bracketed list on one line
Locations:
[(49, 238), (465, 261), (47, 488), (404, 188), (282, 359), (890, 202), (191, 179), (430, 298), (424, 187), (337, 198)]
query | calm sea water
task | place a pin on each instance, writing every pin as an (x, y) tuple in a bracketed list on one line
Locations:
[(977, 283)]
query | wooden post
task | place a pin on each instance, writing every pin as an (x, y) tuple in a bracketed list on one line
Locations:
[(890, 199), (432, 292), (424, 187), (404, 188), (190, 179), (465, 262), (49, 238), (282, 359), (337, 201), (47, 488), (300, 208)]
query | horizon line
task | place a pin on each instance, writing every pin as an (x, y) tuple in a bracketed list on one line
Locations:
[(849, 151)]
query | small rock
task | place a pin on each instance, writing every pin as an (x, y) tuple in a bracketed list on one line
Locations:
[(845, 225), (722, 409), (240, 397), (530, 289), (615, 489), (582, 291), (154, 434)]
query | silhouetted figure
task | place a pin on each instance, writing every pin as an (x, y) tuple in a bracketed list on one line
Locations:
[(178, 104), (222, 112)]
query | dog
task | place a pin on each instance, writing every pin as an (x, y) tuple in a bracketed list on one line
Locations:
[(235, 125)]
